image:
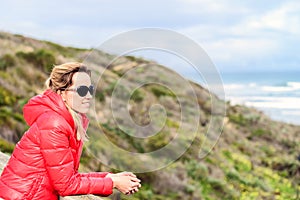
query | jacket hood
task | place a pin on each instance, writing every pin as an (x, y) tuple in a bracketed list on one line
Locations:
[(48, 101)]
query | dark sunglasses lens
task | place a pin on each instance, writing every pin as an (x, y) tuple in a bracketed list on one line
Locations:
[(91, 89), (83, 90)]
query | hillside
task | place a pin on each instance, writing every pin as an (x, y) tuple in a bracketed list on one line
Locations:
[(255, 157)]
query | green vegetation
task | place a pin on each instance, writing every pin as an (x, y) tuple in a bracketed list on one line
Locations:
[(238, 119), (6, 97), (159, 90), (262, 133), (172, 124), (6, 61), (118, 136), (68, 52), (137, 96), (6, 147), (100, 96), (109, 90), (158, 141), (42, 59), (7, 112), (197, 170), (86, 158), (145, 193)]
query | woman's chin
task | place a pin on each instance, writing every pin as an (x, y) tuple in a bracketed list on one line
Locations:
[(83, 110)]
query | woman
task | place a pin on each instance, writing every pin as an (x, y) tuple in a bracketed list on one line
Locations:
[(44, 164)]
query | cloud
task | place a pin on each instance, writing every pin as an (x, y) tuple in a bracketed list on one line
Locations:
[(284, 19), (219, 7), (267, 38), (234, 33)]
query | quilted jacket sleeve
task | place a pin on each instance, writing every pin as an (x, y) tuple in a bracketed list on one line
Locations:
[(59, 161), (94, 174)]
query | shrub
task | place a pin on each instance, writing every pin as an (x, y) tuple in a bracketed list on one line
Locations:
[(12, 119), (233, 175), (161, 91), (4, 75), (241, 162), (115, 134), (137, 96), (42, 58), (61, 49), (260, 133), (85, 156), (158, 141), (172, 124), (6, 61), (216, 184), (100, 96), (109, 90), (6, 97), (131, 58), (227, 154), (269, 150), (197, 170), (6, 147), (238, 119)]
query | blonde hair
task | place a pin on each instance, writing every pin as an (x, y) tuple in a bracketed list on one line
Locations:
[(59, 80)]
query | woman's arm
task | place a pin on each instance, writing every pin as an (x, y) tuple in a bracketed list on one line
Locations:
[(94, 174), (59, 162)]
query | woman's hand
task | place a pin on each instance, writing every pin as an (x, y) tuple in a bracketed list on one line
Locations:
[(125, 182)]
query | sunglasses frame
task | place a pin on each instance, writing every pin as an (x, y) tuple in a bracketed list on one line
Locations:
[(90, 89)]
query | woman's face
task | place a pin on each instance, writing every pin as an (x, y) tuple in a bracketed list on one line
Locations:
[(82, 81)]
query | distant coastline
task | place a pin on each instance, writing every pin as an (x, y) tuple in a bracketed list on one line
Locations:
[(277, 94)]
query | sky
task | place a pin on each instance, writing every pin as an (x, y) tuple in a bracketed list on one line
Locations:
[(248, 35)]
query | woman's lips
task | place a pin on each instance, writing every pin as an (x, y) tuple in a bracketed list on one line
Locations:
[(86, 103)]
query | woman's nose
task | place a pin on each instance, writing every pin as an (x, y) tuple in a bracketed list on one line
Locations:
[(88, 95)]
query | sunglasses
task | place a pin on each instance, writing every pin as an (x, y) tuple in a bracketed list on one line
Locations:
[(82, 90)]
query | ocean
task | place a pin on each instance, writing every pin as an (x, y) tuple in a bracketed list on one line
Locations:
[(277, 94)]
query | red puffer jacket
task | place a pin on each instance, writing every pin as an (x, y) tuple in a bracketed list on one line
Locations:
[(45, 161)]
